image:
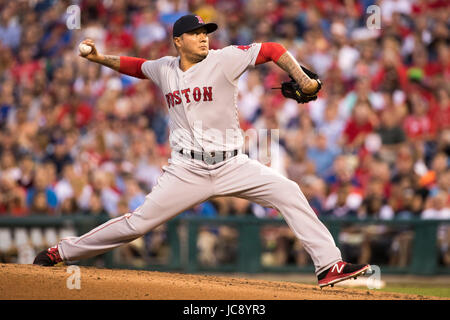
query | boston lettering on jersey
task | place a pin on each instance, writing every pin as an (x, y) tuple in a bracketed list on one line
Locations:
[(195, 94)]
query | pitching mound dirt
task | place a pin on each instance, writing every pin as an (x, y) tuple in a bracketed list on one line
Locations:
[(34, 282)]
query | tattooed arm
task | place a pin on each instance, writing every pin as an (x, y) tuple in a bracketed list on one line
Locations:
[(109, 61), (291, 66), (272, 51), (112, 62), (126, 65)]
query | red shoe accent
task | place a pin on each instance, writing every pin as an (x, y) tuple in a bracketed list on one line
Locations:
[(53, 254), (341, 271)]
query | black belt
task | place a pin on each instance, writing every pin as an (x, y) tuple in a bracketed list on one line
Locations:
[(209, 157)]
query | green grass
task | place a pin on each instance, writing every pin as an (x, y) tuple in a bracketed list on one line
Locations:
[(442, 292)]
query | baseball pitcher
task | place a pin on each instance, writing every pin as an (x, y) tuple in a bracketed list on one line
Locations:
[(200, 89)]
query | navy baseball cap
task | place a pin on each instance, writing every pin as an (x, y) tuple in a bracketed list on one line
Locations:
[(190, 23)]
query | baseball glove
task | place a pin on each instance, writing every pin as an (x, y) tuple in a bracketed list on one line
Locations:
[(292, 90)]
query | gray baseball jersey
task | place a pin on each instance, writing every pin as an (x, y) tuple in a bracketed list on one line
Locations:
[(203, 118), (202, 100)]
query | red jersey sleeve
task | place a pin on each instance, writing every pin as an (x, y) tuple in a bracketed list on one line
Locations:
[(132, 66), (270, 51)]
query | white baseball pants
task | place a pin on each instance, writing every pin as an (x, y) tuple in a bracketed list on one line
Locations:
[(184, 184)]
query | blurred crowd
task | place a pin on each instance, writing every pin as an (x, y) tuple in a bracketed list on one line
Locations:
[(78, 137)]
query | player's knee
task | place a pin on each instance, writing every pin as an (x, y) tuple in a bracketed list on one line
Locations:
[(289, 191), (291, 187), (144, 219), (138, 224), (140, 230)]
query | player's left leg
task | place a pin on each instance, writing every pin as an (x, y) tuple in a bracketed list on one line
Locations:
[(252, 180)]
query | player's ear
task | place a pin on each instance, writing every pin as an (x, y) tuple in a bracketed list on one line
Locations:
[(176, 42)]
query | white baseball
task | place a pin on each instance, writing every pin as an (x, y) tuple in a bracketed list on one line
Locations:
[(84, 49)]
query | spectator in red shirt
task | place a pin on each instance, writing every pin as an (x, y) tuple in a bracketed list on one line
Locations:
[(25, 68), (118, 39), (359, 125), (443, 59), (418, 125), (392, 73), (80, 111), (440, 110)]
